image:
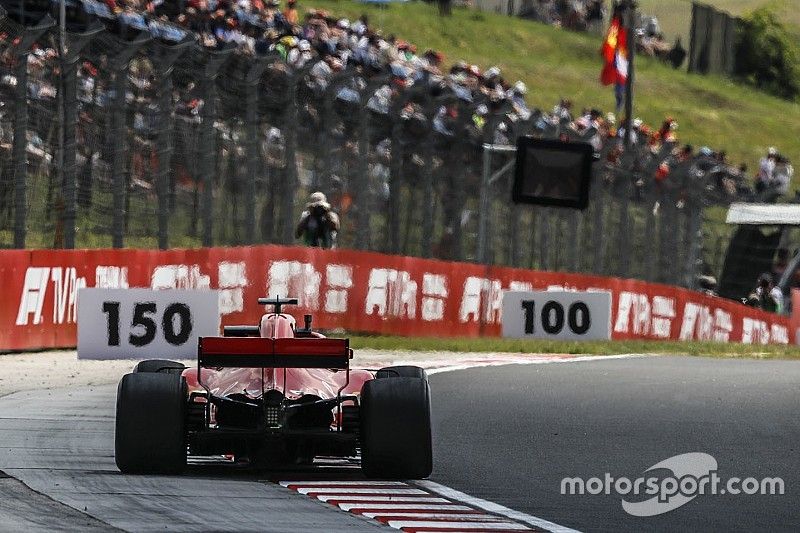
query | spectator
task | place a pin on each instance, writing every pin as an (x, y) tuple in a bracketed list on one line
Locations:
[(516, 96), (781, 175), (290, 13), (319, 225), (562, 112), (766, 295), (595, 14), (677, 54), (765, 169), (707, 284)]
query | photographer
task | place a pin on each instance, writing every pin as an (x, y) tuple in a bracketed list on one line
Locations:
[(318, 224), (766, 295)]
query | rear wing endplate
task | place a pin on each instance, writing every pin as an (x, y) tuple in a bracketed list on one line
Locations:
[(257, 352)]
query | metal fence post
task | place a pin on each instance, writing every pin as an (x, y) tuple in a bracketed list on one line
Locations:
[(290, 158), (27, 36), (666, 239), (395, 170), (624, 234), (252, 77), (206, 147), (429, 205), (118, 181), (532, 235), (361, 187), (483, 209), (649, 236), (598, 229), (694, 235), (545, 227), (210, 63), (515, 218), (573, 248), (75, 43), (164, 58), (123, 52), (18, 150)]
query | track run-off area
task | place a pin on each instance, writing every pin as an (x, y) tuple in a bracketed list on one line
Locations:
[(507, 430)]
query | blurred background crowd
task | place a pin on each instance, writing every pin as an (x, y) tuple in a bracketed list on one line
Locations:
[(269, 103), (325, 46)]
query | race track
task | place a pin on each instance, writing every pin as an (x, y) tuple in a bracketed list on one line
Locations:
[(504, 434), (60, 443), (510, 434)]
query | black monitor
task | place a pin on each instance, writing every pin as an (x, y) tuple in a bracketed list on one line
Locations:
[(553, 173)]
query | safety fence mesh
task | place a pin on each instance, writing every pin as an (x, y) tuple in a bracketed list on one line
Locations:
[(168, 143)]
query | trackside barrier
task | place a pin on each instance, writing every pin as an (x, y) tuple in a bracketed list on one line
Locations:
[(358, 291)]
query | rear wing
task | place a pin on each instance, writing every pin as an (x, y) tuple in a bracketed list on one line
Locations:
[(258, 352)]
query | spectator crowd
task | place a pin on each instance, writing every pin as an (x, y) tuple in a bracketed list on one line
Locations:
[(353, 69), (325, 46), (577, 15)]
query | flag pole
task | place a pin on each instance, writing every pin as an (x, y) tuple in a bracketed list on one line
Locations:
[(630, 8)]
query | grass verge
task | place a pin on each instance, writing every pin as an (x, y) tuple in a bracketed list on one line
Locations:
[(706, 349)]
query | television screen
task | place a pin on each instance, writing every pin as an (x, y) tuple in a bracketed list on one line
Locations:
[(552, 173)]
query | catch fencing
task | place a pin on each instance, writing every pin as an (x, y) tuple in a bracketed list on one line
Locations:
[(167, 143)]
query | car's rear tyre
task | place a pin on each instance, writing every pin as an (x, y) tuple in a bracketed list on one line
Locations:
[(150, 435), (159, 365), (395, 430), (402, 371)]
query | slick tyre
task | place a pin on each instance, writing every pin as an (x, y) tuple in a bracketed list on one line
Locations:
[(150, 433), (396, 428), (405, 371), (159, 365)]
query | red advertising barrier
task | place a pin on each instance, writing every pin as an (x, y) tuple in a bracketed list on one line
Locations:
[(358, 291)]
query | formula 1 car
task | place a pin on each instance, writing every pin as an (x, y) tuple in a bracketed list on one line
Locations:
[(273, 394)]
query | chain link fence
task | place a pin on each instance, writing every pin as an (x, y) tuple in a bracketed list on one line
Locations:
[(167, 143)]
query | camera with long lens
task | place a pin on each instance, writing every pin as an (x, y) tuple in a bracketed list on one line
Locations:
[(319, 211)]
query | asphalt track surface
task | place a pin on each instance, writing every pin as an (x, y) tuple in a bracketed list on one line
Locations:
[(510, 434), (505, 434)]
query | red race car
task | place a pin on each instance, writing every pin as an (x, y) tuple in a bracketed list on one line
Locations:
[(274, 394)]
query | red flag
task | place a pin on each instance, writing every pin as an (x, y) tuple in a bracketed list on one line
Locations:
[(615, 54)]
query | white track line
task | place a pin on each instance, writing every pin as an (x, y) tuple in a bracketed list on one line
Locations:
[(346, 492), (457, 526), (388, 499), (476, 515), (378, 506), (478, 518), (492, 507), (532, 361), (364, 483)]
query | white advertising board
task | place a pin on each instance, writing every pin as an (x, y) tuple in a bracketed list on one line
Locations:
[(144, 323), (557, 315)]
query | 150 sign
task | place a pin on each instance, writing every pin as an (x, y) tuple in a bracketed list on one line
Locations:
[(144, 323), (557, 315)]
